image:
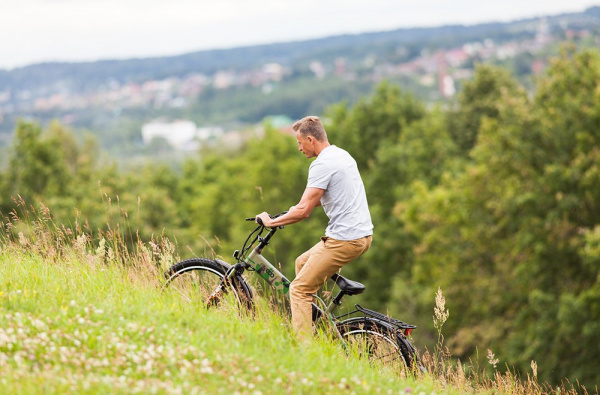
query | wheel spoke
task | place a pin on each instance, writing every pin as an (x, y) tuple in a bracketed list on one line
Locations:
[(203, 281), (196, 283), (371, 340)]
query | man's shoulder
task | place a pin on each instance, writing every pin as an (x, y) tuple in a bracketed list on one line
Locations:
[(342, 158), (317, 165), (330, 158), (334, 152)]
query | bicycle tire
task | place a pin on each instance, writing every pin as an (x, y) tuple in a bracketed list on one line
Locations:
[(381, 342), (199, 279)]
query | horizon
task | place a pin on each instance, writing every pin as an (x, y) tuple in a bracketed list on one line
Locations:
[(76, 31)]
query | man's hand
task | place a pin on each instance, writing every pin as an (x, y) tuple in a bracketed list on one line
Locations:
[(266, 219)]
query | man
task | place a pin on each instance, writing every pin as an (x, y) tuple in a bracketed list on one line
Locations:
[(335, 183)]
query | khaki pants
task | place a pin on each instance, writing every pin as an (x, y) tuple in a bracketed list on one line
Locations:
[(313, 268)]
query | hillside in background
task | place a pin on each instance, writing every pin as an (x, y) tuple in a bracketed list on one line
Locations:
[(234, 88)]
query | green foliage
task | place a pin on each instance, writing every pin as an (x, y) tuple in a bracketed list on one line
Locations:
[(295, 98), (477, 100), (509, 239), (50, 167), (373, 122), (39, 164)]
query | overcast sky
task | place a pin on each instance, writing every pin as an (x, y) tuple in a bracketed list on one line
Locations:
[(33, 31)]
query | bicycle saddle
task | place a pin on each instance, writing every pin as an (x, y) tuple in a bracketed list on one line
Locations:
[(348, 286)]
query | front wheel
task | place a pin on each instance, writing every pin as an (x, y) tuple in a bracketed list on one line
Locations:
[(204, 280), (377, 341)]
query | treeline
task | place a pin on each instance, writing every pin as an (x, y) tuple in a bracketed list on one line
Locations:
[(495, 200)]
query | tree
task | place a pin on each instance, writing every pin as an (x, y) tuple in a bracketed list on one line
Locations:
[(372, 122), (565, 284), (478, 99), (36, 164), (511, 239)]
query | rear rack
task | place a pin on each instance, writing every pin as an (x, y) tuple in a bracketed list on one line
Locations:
[(385, 318)]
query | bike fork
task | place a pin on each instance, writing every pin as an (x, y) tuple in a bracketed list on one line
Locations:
[(225, 282)]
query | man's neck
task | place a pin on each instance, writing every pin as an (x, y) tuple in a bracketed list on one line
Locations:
[(319, 147)]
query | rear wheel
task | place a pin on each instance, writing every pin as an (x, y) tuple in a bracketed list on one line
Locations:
[(376, 341), (203, 280)]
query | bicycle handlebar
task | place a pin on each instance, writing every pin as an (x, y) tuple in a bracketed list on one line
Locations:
[(259, 221)]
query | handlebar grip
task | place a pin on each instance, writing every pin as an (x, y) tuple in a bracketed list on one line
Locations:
[(260, 222)]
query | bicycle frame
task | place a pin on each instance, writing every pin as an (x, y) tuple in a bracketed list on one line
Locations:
[(256, 262), (267, 271)]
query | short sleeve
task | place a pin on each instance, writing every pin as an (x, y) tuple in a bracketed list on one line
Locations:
[(318, 176)]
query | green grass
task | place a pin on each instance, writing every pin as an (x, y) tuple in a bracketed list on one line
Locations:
[(87, 315), (73, 324)]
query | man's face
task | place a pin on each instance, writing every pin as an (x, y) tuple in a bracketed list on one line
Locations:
[(306, 145)]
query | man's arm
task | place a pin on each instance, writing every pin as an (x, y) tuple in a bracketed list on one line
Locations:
[(311, 198)]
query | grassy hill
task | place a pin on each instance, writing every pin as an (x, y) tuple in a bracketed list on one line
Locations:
[(69, 323), (83, 316)]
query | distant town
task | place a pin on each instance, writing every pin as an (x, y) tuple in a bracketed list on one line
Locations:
[(438, 71)]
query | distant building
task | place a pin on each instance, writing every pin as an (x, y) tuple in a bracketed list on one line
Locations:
[(317, 68), (543, 32), (448, 88), (181, 134), (273, 71), (283, 123), (340, 66), (456, 57), (223, 79)]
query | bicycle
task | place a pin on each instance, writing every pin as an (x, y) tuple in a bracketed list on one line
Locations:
[(382, 338)]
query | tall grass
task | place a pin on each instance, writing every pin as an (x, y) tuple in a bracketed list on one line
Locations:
[(87, 315), (84, 312), (75, 326), (472, 378)]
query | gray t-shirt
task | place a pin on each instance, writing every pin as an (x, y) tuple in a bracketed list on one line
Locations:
[(344, 199)]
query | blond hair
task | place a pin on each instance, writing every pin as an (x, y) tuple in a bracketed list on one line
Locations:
[(311, 126)]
